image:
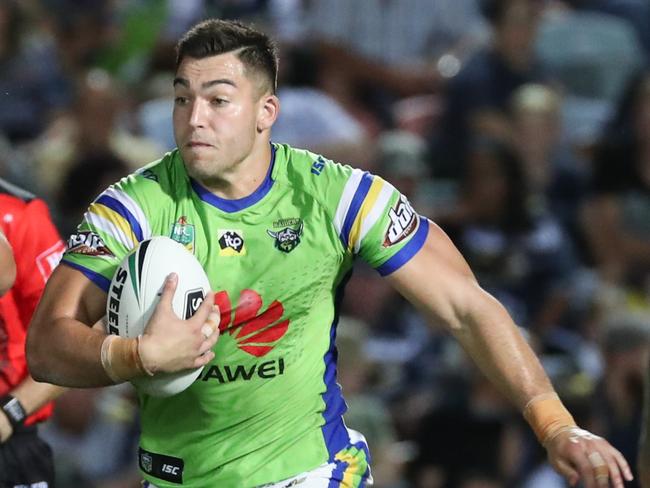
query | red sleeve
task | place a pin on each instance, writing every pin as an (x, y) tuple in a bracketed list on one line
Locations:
[(37, 249)]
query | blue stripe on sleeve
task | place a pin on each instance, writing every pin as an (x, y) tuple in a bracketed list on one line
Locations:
[(93, 276), (411, 248), (118, 207), (355, 206)]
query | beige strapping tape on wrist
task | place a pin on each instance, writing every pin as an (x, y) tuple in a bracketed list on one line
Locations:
[(547, 416)]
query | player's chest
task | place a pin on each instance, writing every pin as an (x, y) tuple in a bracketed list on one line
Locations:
[(290, 240)]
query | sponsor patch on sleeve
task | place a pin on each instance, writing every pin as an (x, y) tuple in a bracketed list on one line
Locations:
[(89, 244), (403, 222)]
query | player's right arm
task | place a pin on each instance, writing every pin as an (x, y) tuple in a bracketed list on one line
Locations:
[(64, 349)]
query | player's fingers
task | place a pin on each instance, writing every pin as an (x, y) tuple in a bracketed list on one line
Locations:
[(204, 310), (600, 468), (586, 470), (622, 463), (204, 359), (211, 322), (168, 290), (613, 471), (570, 474)]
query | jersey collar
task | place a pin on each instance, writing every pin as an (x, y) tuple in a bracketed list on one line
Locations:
[(231, 206)]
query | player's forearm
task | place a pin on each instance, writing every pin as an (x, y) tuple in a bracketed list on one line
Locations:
[(490, 337), (65, 352), (33, 395)]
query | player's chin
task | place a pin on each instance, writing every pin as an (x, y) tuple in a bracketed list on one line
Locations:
[(202, 171)]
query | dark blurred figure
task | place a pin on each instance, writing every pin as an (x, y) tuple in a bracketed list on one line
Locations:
[(625, 346), (378, 51), (85, 179), (518, 252), (96, 123), (478, 97), (617, 215), (482, 439), (310, 117), (556, 177), (33, 85)]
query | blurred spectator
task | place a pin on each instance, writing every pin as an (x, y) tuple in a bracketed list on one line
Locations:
[(617, 215), (94, 438), (477, 99), (556, 178), (310, 118), (625, 345), (519, 253), (482, 441), (592, 56), (97, 124), (85, 179), (403, 161), (33, 85), (377, 51)]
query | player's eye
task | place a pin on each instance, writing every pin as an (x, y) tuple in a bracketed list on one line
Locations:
[(219, 101), (180, 100)]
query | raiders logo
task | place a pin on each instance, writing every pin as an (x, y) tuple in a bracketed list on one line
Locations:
[(287, 239)]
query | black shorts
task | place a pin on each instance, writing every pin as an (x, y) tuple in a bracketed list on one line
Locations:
[(25, 459)]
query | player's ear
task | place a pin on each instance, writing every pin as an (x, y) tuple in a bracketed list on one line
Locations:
[(269, 108)]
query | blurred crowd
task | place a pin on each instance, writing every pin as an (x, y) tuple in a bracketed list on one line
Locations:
[(521, 127)]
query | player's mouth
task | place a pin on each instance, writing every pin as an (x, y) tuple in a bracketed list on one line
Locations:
[(198, 144)]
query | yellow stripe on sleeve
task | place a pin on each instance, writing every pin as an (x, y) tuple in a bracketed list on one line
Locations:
[(120, 224), (366, 208)]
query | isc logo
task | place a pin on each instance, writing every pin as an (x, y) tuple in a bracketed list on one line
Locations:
[(169, 469)]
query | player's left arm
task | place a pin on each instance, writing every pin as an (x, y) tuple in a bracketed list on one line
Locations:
[(439, 282), (38, 248)]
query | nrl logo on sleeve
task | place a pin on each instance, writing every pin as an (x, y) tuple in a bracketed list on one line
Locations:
[(88, 243), (403, 222), (183, 233), (287, 239)]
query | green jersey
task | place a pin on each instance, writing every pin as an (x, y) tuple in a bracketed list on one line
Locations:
[(268, 406)]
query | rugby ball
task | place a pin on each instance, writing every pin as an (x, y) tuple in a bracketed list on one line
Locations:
[(135, 290)]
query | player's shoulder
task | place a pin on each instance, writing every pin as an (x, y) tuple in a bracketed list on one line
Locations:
[(312, 173), (159, 180)]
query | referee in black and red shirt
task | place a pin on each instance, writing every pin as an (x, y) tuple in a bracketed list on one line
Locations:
[(29, 250)]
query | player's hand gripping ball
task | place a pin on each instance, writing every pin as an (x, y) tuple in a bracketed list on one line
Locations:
[(135, 291)]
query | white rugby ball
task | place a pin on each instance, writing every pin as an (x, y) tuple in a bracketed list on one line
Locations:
[(135, 291)]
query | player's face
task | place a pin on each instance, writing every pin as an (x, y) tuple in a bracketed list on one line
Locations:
[(218, 115)]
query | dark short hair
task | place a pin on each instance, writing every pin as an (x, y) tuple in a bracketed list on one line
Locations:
[(255, 50)]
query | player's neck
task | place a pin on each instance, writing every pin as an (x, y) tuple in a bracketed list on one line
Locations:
[(245, 177)]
